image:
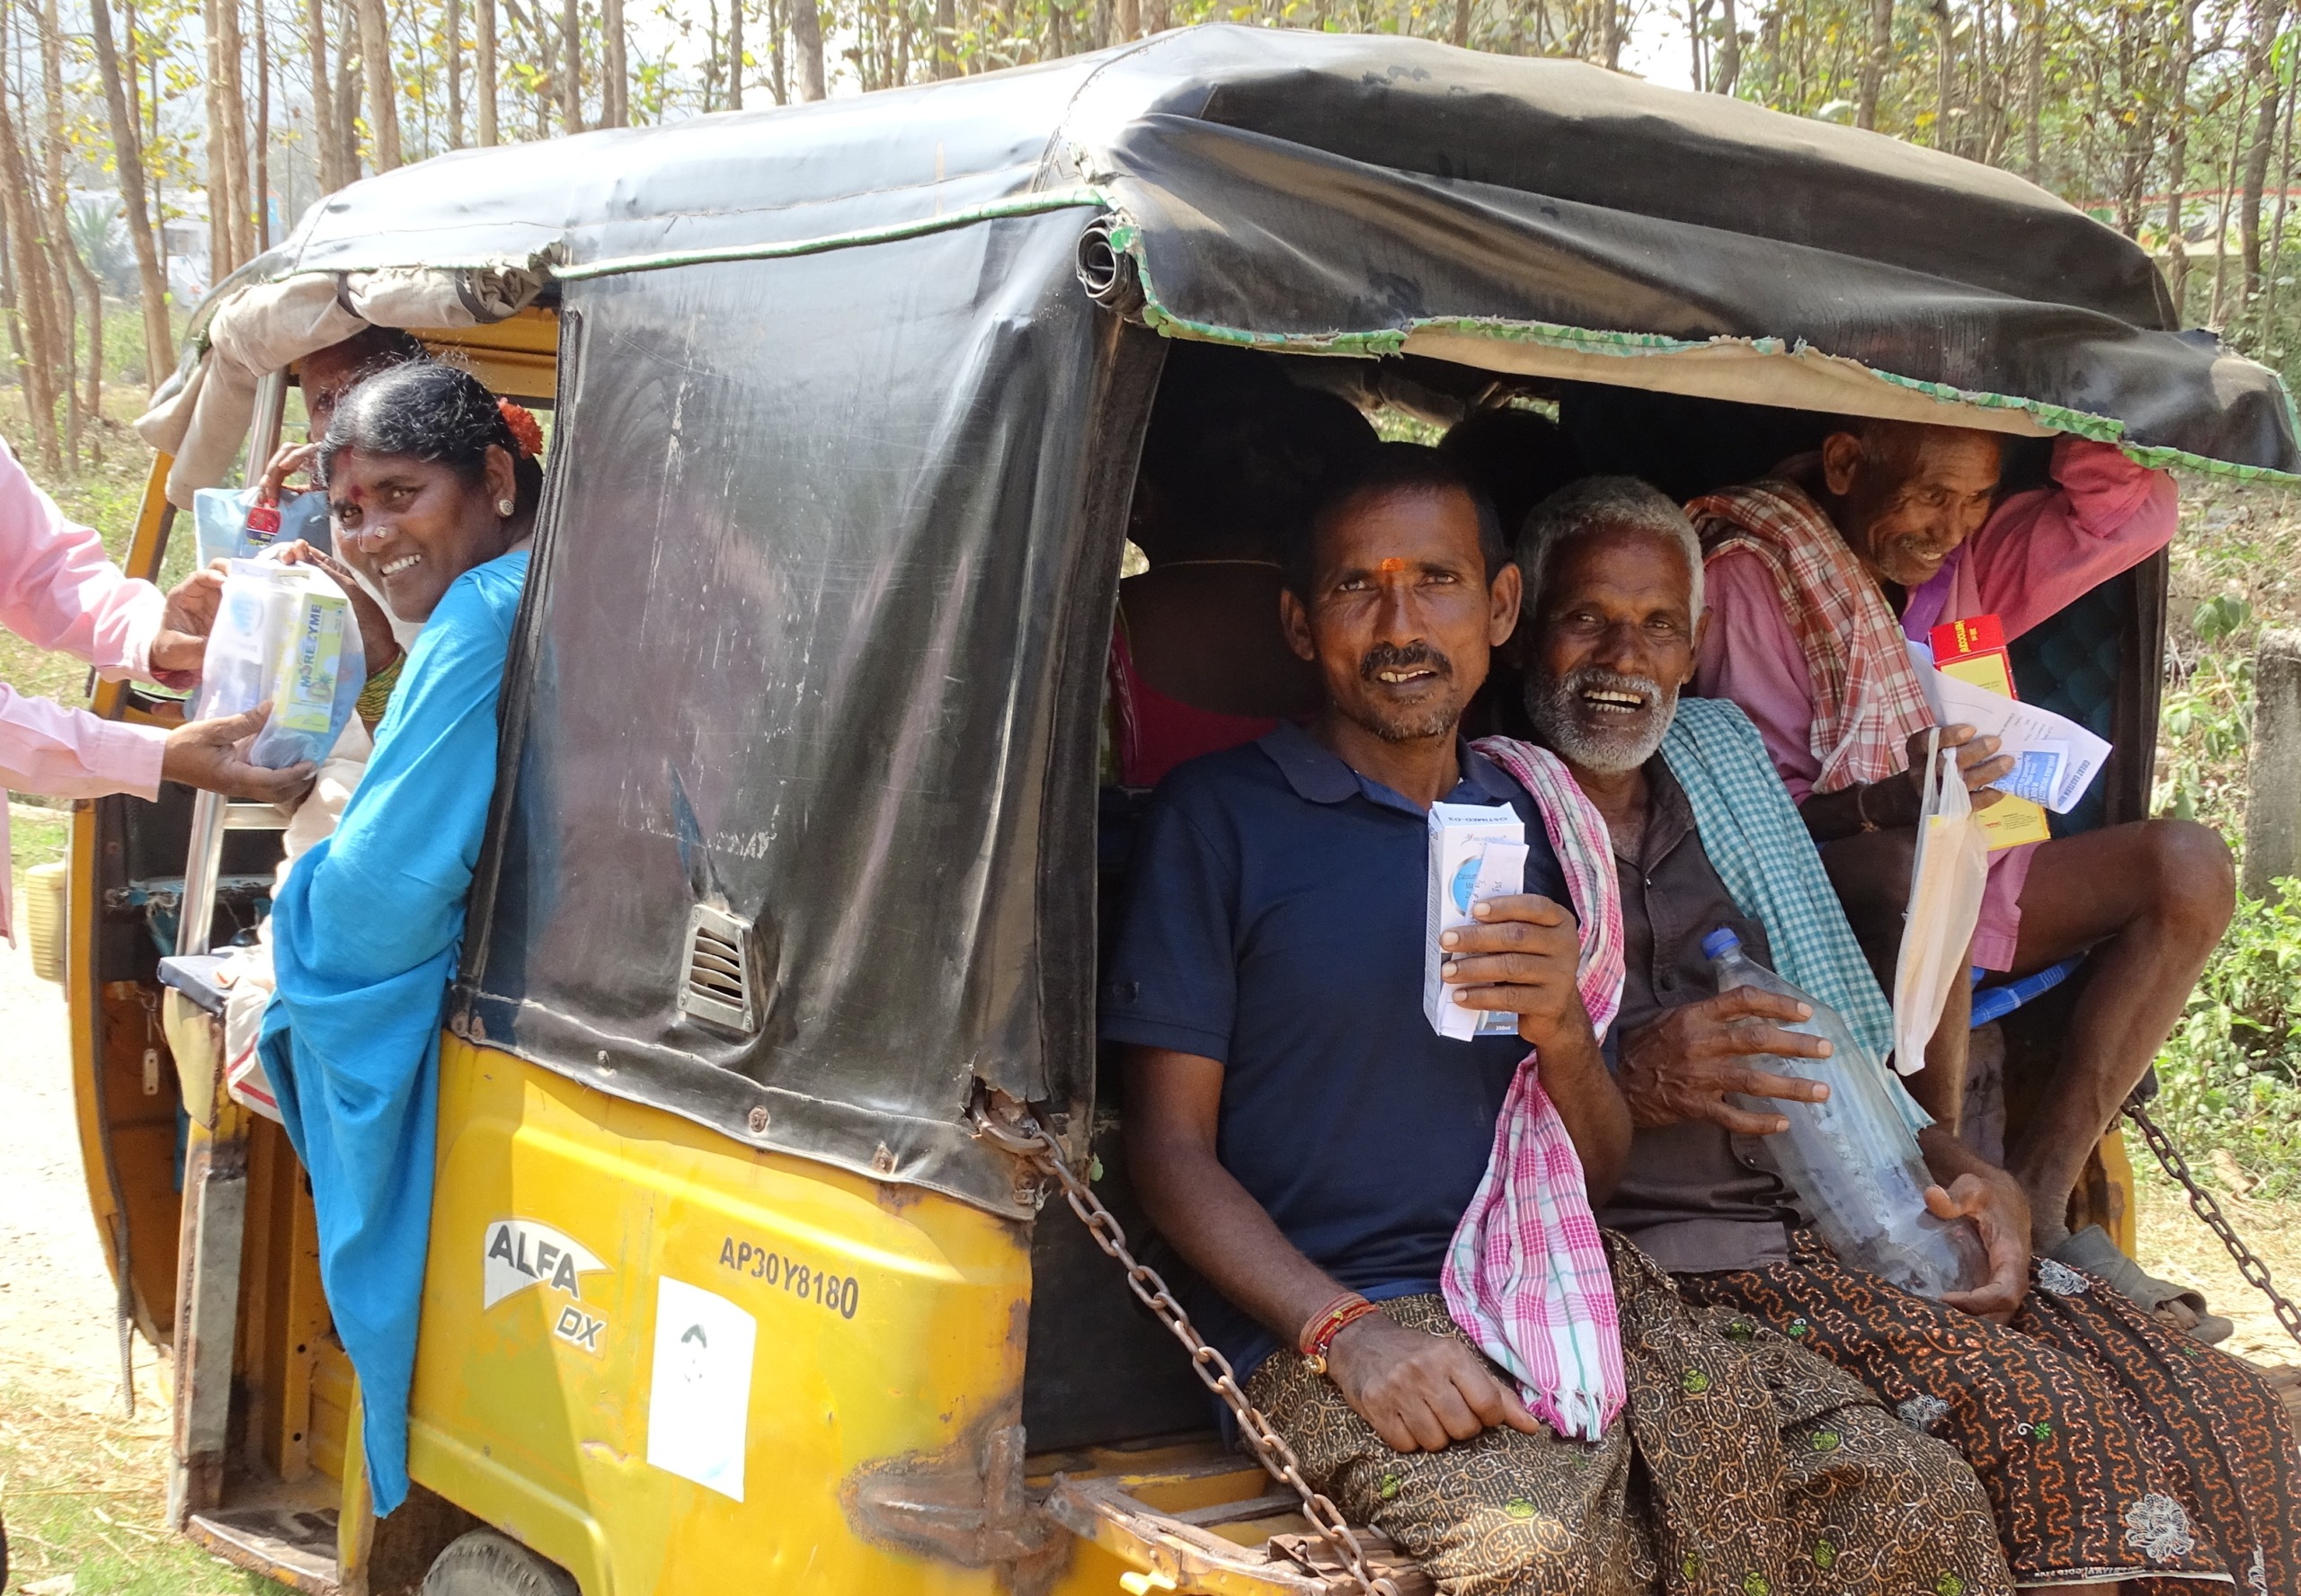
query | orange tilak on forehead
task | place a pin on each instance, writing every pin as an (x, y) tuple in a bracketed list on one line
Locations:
[(1391, 566)]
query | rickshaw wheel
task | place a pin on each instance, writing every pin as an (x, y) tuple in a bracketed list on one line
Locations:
[(485, 1563)]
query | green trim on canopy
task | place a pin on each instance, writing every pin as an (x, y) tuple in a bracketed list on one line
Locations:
[(1392, 341)]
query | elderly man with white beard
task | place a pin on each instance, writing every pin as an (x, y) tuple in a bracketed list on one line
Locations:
[(2113, 1449)]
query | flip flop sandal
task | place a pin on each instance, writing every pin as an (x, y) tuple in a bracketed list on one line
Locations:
[(2177, 1308)]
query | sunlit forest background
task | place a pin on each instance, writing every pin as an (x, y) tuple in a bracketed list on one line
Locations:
[(149, 146)]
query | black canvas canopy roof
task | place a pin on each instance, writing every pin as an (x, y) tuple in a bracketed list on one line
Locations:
[(830, 540)]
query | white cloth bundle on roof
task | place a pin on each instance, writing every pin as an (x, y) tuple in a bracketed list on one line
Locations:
[(203, 417)]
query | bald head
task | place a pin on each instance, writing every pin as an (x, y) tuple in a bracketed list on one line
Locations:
[(1904, 495)]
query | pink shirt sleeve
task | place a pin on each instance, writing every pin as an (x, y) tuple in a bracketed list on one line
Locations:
[(1750, 655), (2042, 550), (59, 589), (69, 753)]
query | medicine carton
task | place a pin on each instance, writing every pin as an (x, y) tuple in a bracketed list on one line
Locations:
[(1973, 650), (311, 653), (1476, 851)]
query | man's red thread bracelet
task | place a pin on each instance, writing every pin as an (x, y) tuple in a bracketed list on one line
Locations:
[(1319, 1335)]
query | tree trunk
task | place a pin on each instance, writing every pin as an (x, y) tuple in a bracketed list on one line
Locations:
[(2215, 317), (127, 149), (232, 86), (2274, 346), (734, 55), (348, 76), (2177, 161), (1945, 92), (94, 403), (946, 39), (614, 69), (452, 25), (2033, 92), (570, 82), (382, 93), (219, 184), (547, 86), (1729, 48), (62, 254), (38, 361), (487, 68), (1127, 15), (1462, 23), (261, 189), (2269, 17), (807, 45), (1871, 80), (322, 100)]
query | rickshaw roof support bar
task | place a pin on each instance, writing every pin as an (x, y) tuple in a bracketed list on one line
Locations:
[(1021, 205)]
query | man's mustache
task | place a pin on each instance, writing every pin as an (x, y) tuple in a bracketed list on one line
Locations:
[(1390, 656)]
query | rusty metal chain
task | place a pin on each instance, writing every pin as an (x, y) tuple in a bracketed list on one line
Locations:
[(1028, 1140), (2202, 1204)]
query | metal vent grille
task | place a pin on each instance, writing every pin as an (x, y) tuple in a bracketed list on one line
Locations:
[(721, 986)]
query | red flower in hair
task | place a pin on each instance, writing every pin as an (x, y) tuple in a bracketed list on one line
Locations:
[(525, 429)]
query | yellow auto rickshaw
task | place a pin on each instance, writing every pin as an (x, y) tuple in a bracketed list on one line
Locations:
[(776, 1009)]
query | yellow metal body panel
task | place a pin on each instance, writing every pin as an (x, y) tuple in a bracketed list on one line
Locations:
[(887, 1322)]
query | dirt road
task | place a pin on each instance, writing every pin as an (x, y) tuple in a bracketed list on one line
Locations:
[(58, 1330)]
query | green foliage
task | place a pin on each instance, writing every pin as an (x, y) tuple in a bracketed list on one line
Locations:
[(2206, 721), (2231, 1072)]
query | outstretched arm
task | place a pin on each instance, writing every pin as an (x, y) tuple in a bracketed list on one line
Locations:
[(1417, 1391)]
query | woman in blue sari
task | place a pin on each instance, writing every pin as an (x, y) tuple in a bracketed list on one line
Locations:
[(433, 494)]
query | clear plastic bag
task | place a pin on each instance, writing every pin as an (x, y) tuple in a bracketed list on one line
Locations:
[(1946, 884), (285, 633), (230, 526)]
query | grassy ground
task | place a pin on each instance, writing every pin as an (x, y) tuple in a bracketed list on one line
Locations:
[(83, 1498)]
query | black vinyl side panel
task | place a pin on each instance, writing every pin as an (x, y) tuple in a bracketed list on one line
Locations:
[(817, 633)]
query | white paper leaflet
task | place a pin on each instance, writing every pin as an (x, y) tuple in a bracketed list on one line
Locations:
[(2054, 758)]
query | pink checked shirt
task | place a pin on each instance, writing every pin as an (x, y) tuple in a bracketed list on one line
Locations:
[(59, 589)]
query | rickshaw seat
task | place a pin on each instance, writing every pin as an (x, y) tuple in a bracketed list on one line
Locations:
[(2069, 663)]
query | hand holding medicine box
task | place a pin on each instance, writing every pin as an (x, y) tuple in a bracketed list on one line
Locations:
[(1475, 852)]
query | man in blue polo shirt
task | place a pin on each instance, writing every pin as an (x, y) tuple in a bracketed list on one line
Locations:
[(1307, 1143)]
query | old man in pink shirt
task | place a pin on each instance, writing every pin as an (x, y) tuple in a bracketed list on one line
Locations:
[(1816, 577), (60, 590)]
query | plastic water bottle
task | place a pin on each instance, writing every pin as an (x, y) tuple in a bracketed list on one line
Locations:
[(1854, 1159)]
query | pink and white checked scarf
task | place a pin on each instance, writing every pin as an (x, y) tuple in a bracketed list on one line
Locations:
[(1867, 700), (1527, 1275)]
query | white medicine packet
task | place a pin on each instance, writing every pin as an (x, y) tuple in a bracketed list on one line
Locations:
[(1475, 852)]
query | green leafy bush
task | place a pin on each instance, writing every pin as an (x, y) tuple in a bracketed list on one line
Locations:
[(2231, 1072)]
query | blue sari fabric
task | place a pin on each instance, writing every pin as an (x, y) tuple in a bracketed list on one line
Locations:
[(365, 936)]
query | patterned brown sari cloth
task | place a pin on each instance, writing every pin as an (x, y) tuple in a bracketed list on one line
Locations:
[(1742, 1467), (2111, 1447)]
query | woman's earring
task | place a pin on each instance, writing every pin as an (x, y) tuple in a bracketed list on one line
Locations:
[(504, 507)]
